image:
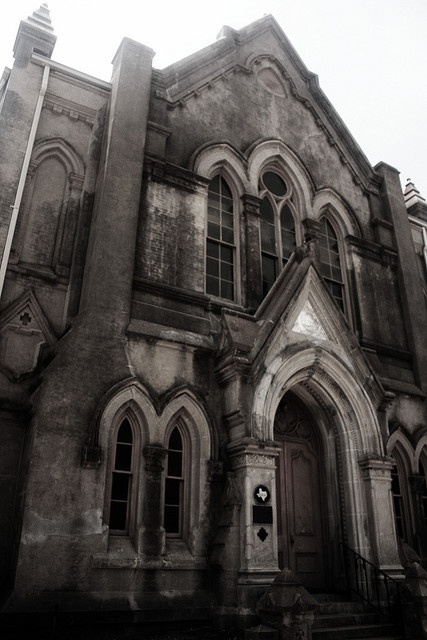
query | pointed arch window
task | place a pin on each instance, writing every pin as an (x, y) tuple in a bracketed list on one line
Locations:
[(220, 242), (278, 231), (123, 480), (330, 261), (175, 485), (423, 473), (399, 490)]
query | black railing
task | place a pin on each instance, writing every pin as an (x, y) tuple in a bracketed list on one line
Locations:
[(377, 589)]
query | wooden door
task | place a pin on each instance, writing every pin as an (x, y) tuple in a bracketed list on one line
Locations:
[(301, 520)]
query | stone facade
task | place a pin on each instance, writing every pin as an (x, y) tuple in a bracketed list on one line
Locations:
[(213, 361)]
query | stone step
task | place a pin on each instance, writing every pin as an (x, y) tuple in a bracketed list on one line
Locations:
[(329, 608), (346, 618), (352, 632)]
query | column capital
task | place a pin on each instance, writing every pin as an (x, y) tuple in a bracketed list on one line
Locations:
[(154, 456), (251, 204), (375, 466)]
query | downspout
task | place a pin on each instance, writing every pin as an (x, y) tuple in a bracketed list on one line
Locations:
[(21, 184)]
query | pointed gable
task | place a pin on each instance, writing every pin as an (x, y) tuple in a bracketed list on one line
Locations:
[(24, 332), (299, 313)]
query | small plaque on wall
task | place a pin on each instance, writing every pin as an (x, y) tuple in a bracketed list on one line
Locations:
[(262, 494), (262, 514)]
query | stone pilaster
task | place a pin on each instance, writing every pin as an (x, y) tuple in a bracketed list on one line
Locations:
[(151, 533), (376, 473), (254, 468), (251, 215), (413, 302)]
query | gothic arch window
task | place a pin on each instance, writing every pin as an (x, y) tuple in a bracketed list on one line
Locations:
[(400, 494), (220, 240), (423, 494), (123, 479), (330, 261), (176, 493), (278, 225)]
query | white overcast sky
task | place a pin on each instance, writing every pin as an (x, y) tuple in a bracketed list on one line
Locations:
[(370, 55)]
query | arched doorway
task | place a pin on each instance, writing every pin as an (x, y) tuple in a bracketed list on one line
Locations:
[(301, 503)]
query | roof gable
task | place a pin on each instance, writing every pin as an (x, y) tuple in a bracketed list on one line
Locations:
[(262, 51)]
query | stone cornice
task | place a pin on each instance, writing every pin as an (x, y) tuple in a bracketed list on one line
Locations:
[(373, 251), (174, 175), (72, 110)]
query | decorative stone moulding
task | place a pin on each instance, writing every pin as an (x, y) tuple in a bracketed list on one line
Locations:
[(24, 333)]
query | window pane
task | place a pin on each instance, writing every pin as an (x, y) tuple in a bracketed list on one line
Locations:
[(214, 215), (175, 464), (268, 273), (118, 513), (227, 205), (225, 189), (287, 219), (227, 220), (266, 211), (228, 235), (172, 519), (123, 457), (226, 254), (212, 267), (227, 272), (212, 249), (274, 183), (214, 230), (214, 185), (175, 440), (227, 290), (212, 286), (172, 492), (125, 432), (268, 237), (120, 486)]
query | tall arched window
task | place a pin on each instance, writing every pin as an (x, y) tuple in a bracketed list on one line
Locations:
[(423, 473), (330, 262), (278, 234), (123, 472), (175, 485), (399, 489), (220, 242)]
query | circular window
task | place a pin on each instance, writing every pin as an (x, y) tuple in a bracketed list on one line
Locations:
[(274, 183)]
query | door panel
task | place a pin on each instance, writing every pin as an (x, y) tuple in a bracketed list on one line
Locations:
[(305, 538), (300, 510)]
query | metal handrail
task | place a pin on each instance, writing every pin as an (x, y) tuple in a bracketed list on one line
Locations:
[(377, 589)]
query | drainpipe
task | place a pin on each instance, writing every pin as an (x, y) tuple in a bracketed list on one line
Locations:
[(16, 205)]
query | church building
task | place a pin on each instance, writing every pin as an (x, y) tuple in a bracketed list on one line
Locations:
[(213, 354)]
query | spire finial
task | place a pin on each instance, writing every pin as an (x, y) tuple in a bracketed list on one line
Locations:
[(411, 194), (41, 18)]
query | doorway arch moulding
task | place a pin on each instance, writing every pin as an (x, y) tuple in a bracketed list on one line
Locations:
[(351, 436)]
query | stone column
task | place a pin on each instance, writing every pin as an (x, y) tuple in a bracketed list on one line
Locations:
[(254, 467), (251, 215), (151, 534), (376, 473)]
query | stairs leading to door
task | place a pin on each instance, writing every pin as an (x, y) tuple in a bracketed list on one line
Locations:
[(338, 619)]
